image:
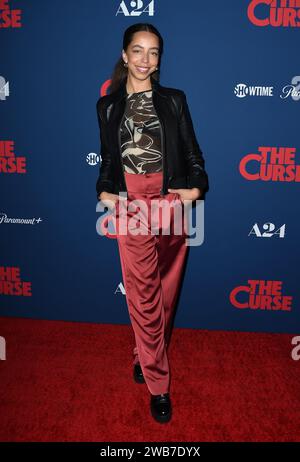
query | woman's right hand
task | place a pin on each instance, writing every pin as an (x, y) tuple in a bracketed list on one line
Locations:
[(108, 199)]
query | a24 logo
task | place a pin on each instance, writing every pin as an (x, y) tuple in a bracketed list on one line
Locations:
[(136, 8)]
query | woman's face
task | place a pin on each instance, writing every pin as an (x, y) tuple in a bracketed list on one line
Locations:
[(142, 55)]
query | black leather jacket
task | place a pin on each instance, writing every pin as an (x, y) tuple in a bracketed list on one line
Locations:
[(182, 159)]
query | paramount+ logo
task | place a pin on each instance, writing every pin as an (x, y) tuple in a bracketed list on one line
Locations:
[(270, 164), (261, 295), (274, 13)]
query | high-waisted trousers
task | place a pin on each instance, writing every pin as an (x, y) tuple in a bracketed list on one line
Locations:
[(152, 266)]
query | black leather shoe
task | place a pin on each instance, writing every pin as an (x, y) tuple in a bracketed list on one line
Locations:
[(138, 374), (161, 409)]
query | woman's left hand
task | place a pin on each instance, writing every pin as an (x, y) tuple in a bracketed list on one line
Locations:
[(187, 194)]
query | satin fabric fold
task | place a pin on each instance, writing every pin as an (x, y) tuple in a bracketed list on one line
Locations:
[(152, 265)]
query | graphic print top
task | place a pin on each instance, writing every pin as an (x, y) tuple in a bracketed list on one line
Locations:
[(140, 135)]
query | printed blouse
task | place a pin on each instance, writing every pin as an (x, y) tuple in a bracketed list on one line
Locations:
[(140, 135)]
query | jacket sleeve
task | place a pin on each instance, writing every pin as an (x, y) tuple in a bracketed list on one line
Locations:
[(197, 176), (105, 181)]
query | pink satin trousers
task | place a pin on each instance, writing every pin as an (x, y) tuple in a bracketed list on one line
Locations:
[(152, 265)]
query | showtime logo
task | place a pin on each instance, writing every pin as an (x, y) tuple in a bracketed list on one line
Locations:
[(11, 283), (270, 164), (9, 18), (93, 159), (292, 90), (9, 163), (275, 13), (261, 295), (241, 90)]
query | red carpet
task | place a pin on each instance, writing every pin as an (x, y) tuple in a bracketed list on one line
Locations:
[(67, 381)]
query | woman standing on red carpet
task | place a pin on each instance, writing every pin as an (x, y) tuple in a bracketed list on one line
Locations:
[(150, 152)]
